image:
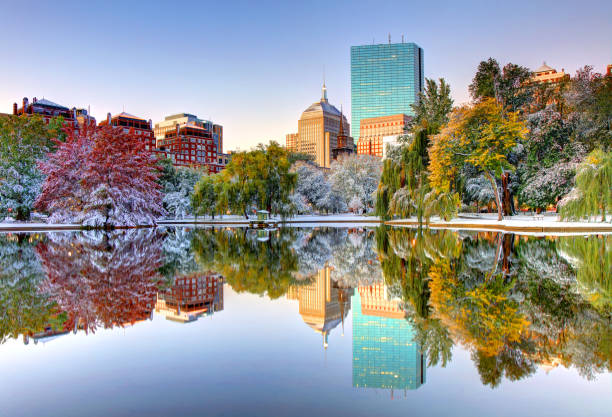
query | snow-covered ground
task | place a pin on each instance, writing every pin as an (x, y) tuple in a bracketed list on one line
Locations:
[(528, 224), (525, 224), (307, 218)]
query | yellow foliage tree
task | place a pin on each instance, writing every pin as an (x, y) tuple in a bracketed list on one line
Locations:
[(481, 135)]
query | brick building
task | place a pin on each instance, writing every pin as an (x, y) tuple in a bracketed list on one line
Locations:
[(374, 129), (47, 110), (191, 145), (138, 127)]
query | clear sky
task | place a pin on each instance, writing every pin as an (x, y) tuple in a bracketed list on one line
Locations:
[(254, 66)]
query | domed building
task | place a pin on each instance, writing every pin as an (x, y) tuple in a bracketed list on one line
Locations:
[(318, 130)]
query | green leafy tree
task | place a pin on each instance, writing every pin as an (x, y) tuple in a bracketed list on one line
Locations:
[(260, 178), (509, 86), (593, 192), (23, 141), (204, 197)]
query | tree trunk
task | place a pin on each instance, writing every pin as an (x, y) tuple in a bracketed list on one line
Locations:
[(507, 201), (245, 214), (21, 215), (491, 179)]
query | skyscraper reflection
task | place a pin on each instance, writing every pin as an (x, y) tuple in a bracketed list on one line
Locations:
[(323, 305), (385, 355)]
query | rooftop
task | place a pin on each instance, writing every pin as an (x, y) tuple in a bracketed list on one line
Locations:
[(180, 115), (544, 68), (128, 116), (49, 103)]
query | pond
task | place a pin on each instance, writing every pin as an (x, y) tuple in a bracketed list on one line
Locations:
[(305, 321)]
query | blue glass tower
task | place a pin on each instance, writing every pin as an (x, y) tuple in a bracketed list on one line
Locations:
[(385, 80), (385, 355)]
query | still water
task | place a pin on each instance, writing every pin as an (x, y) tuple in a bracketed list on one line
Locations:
[(306, 322)]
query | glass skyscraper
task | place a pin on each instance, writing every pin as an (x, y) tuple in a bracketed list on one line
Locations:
[(385, 80)]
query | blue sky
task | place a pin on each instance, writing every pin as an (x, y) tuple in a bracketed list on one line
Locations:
[(255, 66)]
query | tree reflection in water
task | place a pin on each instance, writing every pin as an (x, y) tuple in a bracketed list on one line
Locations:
[(247, 263), (515, 302), (23, 309), (102, 279)]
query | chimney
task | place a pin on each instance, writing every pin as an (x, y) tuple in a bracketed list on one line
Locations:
[(150, 124), (15, 109), (108, 118)]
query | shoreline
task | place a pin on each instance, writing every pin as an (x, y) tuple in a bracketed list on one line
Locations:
[(515, 224)]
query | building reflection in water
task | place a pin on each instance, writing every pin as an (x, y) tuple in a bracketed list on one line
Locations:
[(322, 304), (190, 297), (385, 355)]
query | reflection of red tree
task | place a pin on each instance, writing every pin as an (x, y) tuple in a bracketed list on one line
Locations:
[(102, 280)]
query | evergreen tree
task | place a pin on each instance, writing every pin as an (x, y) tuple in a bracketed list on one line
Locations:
[(23, 141)]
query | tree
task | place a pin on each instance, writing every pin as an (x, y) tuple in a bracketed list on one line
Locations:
[(483, 83), (589, 99), (593, 192), (259, 178), (509, 86), (356, 176), (102, 279), (433, 107), (479, 189), (311, 185), (101, 177), (177, 186), (481, 135), (404, 182), (204, 197), (23, 141)]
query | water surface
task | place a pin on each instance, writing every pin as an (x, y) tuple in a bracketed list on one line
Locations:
[(314, 321)]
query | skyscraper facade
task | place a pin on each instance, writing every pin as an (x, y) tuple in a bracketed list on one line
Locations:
[(385, 79)]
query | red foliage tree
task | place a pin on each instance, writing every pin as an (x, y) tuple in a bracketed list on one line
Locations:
[(101, 176)]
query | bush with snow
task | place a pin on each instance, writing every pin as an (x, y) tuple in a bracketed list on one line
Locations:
[(356, 176)]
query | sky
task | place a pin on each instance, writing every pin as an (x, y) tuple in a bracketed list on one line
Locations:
[(253, 67)]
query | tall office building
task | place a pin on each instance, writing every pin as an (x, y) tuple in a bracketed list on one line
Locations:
[(318, 130), (386, 79)]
